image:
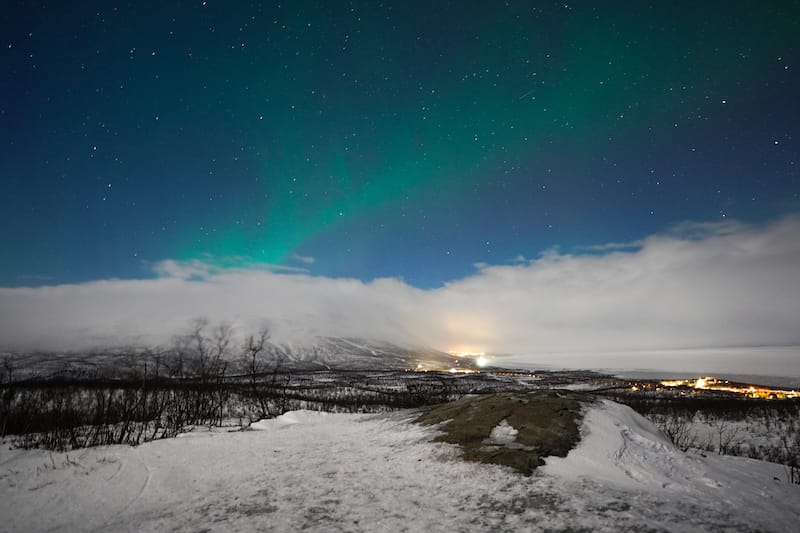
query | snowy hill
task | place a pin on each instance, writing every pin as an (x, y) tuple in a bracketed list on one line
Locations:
[(360, 354), (342, 472), (312, 353)]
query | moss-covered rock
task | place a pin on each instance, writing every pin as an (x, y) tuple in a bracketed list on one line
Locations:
[(546, 423)]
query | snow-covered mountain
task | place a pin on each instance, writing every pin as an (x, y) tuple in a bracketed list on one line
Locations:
[(361, 354), (312, 353)]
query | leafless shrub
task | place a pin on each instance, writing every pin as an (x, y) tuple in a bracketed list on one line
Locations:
[(267, 387), (679, 429), (725, 420), (726, 436), (791, 447)]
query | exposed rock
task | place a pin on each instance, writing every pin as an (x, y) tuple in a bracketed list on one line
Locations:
[(546, 423)]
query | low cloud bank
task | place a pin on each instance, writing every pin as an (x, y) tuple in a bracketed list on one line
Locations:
[(697, 286)]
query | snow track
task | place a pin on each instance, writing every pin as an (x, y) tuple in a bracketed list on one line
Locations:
[(322, 472)]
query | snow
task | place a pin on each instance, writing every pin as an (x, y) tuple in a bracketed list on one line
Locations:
[(579, 386), (502, 434), (621, 448), (756, 431), (625, 452), (344, 472)]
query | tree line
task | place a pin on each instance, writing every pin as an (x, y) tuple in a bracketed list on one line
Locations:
[(204, 378)]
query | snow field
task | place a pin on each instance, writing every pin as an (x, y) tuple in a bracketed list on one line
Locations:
[(344, 472)]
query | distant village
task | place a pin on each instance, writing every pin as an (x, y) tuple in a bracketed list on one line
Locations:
[(597, 382), (709, 383)]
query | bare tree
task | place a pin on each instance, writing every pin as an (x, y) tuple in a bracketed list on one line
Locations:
[(726, 436), (8, 370), (679, 429), (791, 447), (253, 347), (267, 386)]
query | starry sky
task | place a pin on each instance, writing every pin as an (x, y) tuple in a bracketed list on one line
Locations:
[(410, 140)]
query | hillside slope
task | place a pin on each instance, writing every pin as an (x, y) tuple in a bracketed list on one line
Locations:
[(313, 353), (361, 354), (327, 472)]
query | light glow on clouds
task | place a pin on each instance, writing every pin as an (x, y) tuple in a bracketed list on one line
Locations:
[(696, 286)]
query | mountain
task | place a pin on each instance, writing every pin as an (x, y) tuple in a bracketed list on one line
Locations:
[(360, 354), (333, 353)]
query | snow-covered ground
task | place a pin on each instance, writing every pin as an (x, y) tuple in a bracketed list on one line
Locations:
[(752, 434), (342, 472)]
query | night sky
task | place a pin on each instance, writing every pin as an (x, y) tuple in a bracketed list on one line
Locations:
[(395, 139)]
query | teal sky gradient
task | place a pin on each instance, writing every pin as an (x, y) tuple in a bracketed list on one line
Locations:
[(400, 139)]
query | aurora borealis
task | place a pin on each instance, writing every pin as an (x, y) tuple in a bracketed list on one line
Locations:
[(398, 139), (516, 177)]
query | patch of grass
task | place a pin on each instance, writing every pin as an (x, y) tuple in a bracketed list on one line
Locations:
[(547, 423)]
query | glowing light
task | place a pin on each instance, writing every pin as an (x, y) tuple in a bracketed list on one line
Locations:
[(710, 383), (481, 361), (675, 383), (465, 353)]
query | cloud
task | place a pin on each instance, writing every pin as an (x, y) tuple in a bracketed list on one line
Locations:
[(306, 259), (695, 286), (611, 246), (197, 269)]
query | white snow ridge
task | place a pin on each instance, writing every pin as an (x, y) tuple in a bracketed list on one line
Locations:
[(502, 434), (343, 472)]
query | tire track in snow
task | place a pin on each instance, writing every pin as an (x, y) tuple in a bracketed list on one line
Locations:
[(119, 514), (144, 486)]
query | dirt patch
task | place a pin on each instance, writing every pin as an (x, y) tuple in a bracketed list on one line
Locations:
[(511, 429)]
